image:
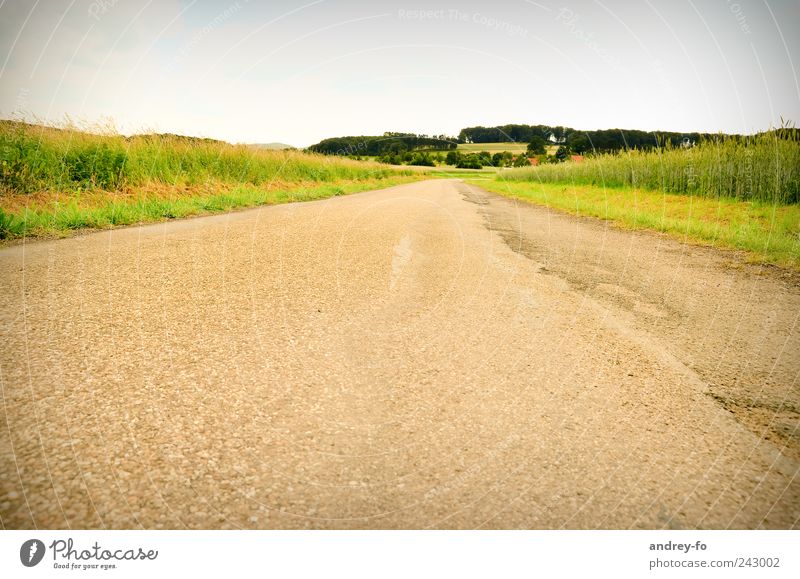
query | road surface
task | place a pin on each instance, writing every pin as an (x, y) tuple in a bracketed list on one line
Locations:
[(425, 356)]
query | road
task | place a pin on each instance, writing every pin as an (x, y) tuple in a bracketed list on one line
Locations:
[(425, 356)]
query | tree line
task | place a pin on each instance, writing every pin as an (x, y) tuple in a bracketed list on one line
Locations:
[(410, 148), (386, 144), (577, 141)]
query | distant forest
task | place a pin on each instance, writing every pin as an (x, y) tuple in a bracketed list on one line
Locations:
[(386, 144), (577, 141)]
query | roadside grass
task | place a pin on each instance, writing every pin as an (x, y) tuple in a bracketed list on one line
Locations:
[(60, 215), (768, 232), (763, 167), (56, 180)]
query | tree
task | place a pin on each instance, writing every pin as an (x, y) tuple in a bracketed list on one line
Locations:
[(422, 159), (471, 161), (562, 153), (521, 161), (579, 143), (503, 159), (537, 146), (506, 158), (452, 158)]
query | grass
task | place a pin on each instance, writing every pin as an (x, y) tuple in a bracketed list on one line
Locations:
[(735, 193), (493, 147), (61, 215), (54, 180), (763, 167), (769, 232)]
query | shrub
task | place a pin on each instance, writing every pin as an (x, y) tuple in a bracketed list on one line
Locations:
[(469, 162)]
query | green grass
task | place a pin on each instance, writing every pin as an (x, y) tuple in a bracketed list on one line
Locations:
[(764, 168), (734, 193), (57, 180), (769, 232), (75, 212)]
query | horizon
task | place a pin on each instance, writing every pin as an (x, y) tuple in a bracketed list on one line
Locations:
[(247, 73), (69, 125)]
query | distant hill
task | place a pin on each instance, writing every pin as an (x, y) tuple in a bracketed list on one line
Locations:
[(271, 146)]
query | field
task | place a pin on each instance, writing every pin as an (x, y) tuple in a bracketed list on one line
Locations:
[(56, 180), (732, 195), (493, 147), (764, 168)]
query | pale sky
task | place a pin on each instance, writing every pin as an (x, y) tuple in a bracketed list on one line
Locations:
[(297, 72)]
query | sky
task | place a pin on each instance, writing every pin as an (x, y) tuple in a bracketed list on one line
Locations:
[(298, 72)]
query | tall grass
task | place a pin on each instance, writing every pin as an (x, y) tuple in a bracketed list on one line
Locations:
[(764, 167), (36, 158), (57, 179)]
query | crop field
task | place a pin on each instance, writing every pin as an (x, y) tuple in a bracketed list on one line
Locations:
[(56, 180), (493, 147), (764, 168)]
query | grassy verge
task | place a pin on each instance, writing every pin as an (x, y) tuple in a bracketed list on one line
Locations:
[(768, 232), (764, 167), (53, 181), (54, 215)]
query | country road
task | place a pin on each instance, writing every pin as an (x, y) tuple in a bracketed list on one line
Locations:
[(425, 356)]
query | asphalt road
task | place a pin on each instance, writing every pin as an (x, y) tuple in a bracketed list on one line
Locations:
[(425, 356)]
